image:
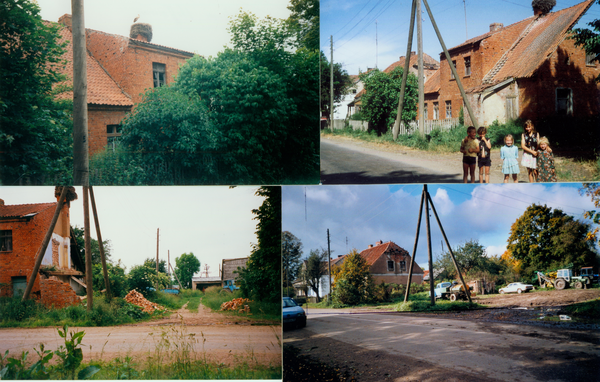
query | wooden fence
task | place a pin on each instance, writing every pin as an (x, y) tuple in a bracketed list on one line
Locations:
[(440, 124)]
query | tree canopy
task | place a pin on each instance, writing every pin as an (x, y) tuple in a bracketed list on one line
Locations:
[(471, 259), (544, 238), (341, 83), (593, 191), (304, 21), (186, 265), (589, 39), (261, 279), (353, 281), (36, 134), (315, 268), (291, 252), (79, 237), (380, 101)]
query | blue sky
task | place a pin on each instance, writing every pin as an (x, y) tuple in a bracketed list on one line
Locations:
[(353, 24), (357, 216)]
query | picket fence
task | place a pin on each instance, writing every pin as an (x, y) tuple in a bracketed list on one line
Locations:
[(440, 124)]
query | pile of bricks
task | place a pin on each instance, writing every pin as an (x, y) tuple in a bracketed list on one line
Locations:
[(235, 304), (57, 293), (136, 298)]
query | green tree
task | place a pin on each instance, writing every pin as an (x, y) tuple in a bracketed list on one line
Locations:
[(471, 259), (151, 263), (315, 269), (79, 237), (593, 191), (261, 279), (144, 279), (341, 83), (304, 21), (35, 133), (544, 238), (119, 284), (291, 252), (353, 281), (186, 265), (380, 101), (589, 39)]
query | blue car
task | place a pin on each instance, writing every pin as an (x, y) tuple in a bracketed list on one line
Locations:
[(293, 314)]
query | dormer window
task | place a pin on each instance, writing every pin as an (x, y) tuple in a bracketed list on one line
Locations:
[(159, 71)]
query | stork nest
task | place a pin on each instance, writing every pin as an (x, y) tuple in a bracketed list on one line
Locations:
[(543, 5), (71, 194), (141, 29)]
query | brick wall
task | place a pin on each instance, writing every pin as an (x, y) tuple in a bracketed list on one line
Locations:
[(98, 118), (379, 270), (57, 293), (27, 238)]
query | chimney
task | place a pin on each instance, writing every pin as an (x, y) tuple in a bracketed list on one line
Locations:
[(141, 31), (379, 242), (537, 12), (66, 20), (370, 245), (496, 26)]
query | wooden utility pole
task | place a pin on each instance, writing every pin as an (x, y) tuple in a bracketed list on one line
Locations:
[(329, 263), (89, 281), (80, 114), (100, 245), (414, 252), (157, 259), (331, 88), (421, 81), (42, 250), (429, 253)]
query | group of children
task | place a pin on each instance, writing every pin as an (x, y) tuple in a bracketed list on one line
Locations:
[(537, 156)]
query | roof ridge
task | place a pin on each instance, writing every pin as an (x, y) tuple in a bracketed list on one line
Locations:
[(487, 79)]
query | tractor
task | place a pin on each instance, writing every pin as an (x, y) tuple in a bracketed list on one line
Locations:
[(564, 278)]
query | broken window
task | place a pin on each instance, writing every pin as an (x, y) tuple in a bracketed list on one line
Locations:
[(564, 101), (448, 109), (467, 66), (6, 240), (159, 72), (113, 136), (390, 265)]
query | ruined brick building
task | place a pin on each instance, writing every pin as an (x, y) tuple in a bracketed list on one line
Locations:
[(530, 70), (22, 230), (119, 71)]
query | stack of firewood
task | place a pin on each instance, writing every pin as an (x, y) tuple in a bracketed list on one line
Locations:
[(235, 304), (136, 298)]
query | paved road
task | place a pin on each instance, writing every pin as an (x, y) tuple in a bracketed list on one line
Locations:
[(351, 165), (454, 349)]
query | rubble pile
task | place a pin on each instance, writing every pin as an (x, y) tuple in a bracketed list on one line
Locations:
[(136, 298), (236, 303)]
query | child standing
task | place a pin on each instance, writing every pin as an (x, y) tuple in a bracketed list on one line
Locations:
[(510, 156), (529, 144), (484, 160), (469, 147), (545, 162)]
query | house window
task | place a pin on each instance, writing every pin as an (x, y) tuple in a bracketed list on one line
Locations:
[(390, 265), (425, 111), (451, 72), (159, 71), (353, 91), (436, 110), (403, 266), (467, 66), (113, 135), (6, 240), (564, 101), (448, 109), (590, 59)]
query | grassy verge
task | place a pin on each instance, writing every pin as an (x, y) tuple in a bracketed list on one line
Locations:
[(588, 309), (216, 296)]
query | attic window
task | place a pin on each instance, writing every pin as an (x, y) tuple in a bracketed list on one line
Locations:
[(6, 240), (390, 264), (159, 71)]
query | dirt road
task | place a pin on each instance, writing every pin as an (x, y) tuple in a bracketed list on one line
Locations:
[(505, 343), (221, 339)]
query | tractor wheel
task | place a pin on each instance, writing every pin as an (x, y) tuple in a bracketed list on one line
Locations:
[(519, 291), (453, 297), (560, 284), (578, 285)]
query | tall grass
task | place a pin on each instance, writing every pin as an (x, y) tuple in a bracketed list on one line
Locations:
[(215, 296)]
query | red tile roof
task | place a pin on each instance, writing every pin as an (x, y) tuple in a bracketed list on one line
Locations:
[(21, 210), (538, 42), (372, 254), (102, 89), (427, 59), (433, 83)]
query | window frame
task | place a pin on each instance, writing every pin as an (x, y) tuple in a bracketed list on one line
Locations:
[(6, 237), (467, 66), (390, 269), (448, 104), (159, 74), (569, 102)]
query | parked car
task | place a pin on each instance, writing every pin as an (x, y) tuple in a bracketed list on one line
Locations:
[(293, 314), (516, 288)]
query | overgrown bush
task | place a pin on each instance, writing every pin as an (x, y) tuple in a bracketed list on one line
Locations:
[(13, 309)]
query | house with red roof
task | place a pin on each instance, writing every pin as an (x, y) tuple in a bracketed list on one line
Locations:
[(530, 70), (119, 71), (388, 263), (22, 230)]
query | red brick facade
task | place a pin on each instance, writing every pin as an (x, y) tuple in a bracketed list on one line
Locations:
[(57, 293)]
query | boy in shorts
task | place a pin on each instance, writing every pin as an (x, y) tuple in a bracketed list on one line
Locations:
[(484, 160), (469, 147)]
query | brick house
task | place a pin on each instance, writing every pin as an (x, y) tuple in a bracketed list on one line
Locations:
[(119, 70), (228, 268), (389, 263), (528, 70), (22, 230)]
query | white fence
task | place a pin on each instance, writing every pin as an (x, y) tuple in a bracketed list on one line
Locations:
[(440, 124)]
